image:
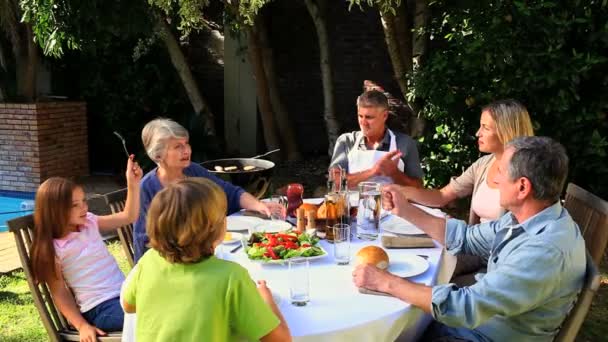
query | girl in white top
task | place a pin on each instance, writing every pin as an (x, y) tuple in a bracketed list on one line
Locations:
[(69, 254)]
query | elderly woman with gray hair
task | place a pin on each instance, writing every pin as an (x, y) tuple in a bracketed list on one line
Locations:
[(166, 143)]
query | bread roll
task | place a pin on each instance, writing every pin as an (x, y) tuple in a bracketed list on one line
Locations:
[(322, 212), (373, 255), (308, 207)]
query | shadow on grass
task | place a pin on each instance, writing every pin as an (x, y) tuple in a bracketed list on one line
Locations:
[(13, 298)]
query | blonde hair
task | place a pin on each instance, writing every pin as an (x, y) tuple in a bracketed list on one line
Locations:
[(512, 119), (185, 219), (156, 133)]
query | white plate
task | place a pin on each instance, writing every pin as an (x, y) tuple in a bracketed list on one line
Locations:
[(269, 226), (236, 237), (398, 225), (241, 223), (408, 266)]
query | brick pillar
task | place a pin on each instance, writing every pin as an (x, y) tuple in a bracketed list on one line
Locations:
[(41, 140)]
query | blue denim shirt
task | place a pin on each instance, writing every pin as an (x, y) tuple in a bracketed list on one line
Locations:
[(150, 185), (535, 270)]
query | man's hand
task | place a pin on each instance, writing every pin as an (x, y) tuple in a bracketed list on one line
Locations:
[(387, 165), (371, 277)]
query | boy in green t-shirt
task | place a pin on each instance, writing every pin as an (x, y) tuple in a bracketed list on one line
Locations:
[(180, 291)]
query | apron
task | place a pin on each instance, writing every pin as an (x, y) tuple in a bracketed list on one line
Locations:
[(359, 160)]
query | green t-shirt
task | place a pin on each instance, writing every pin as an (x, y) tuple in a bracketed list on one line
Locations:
[(213, 300)]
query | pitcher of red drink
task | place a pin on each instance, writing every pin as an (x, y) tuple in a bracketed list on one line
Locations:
[(294, 198)]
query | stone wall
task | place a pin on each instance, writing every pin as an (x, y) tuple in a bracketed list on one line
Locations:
[(41, 140)]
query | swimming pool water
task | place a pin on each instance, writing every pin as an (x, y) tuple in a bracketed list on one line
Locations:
[(10, 207)]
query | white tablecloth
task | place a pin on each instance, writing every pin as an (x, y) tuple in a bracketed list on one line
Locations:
[(337, 311)]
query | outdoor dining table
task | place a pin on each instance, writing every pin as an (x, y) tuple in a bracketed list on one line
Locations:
[(337, 311)]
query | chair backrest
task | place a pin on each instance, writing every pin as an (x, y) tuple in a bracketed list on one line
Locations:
[(591, 214), (116, 201), (575, 318), (23, 231), (53, 321)]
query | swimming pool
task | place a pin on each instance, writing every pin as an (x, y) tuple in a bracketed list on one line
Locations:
[(14, 205)]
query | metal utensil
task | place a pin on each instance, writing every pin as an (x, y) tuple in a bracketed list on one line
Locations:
[(265, 154), (124, 144), (236, 248)]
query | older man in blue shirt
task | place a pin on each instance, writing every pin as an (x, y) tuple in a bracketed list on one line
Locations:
[(536, 255)]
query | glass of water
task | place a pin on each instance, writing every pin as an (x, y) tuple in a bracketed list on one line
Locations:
[(342, 243), (299, 281), (369, 210), (278, 207)]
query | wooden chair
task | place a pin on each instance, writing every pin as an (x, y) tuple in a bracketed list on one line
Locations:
[(116, 201), (55, 324), (591, 214), (575, 318)]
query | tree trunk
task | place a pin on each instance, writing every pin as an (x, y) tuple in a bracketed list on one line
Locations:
[(390, 36), (318, 11), (29, 81), (263, 94), (183, 70), (421, 18), (285, 126), (4, 70)]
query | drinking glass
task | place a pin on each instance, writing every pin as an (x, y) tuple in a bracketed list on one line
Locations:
[(278, 208), (342, 243), (369, 210), (299, 281)]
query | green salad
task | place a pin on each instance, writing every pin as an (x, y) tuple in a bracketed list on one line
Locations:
[(282, 246)]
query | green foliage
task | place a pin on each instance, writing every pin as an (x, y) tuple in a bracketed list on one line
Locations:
[(63, 25), (190, 13), (384, 6), (551, 55)]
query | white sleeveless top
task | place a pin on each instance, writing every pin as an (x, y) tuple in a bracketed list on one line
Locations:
[(486, 202), (88, 269)]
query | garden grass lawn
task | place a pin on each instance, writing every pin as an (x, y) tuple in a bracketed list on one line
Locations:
[(19, 320)]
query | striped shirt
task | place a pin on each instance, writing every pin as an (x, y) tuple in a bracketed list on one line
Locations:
[(88, 268)]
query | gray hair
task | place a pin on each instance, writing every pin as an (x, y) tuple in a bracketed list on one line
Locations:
[(372, 98), (156, 133), (543, 161)]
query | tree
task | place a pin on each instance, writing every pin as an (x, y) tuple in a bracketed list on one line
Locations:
[(24, 50), (64, 24), (397, 20), (246, 17), (318, 12)]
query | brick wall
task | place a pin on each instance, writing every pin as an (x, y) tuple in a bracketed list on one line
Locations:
[(41, 140)]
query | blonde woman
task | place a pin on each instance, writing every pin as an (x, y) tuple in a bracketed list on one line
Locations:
[(167, 144), (500, 122), (181, 291)]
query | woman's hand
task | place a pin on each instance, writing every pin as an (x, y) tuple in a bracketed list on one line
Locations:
[(134, 172), (394, 199), (88, 333), (265, 208)]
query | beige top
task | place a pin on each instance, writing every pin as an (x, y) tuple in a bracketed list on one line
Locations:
[(486, 202), (468, 182)]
